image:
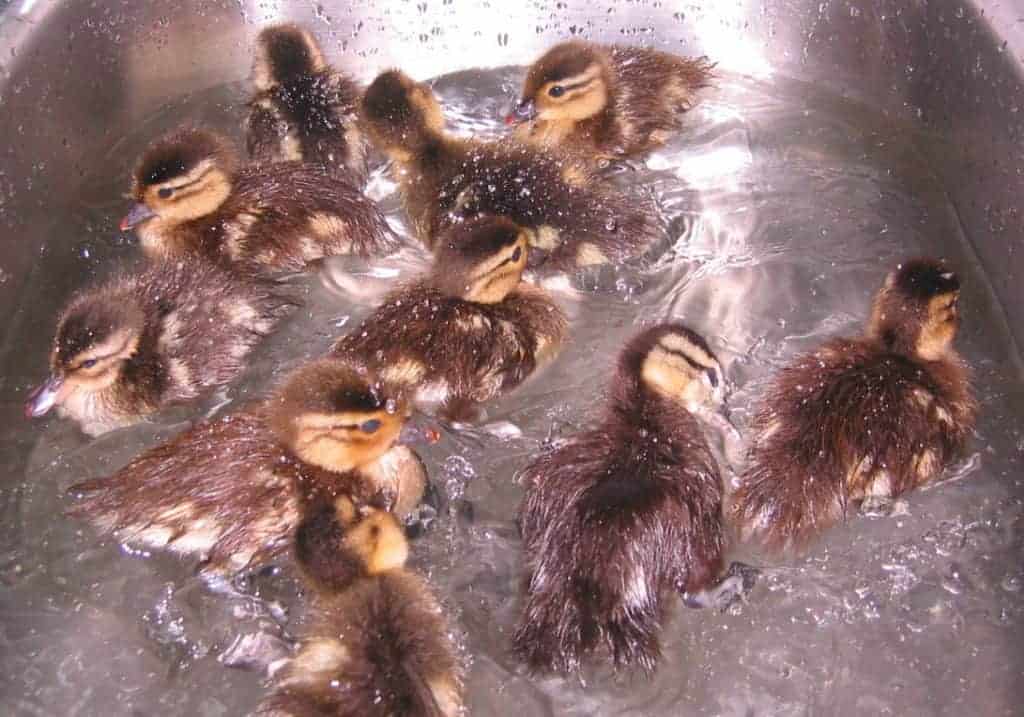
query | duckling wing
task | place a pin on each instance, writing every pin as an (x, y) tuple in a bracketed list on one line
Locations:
[(287, 214), (843, 423), (610, 522), (221, 491)]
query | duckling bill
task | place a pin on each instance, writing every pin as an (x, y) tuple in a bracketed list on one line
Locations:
[(575, 219), (606, 100), (625, 513), (865, 418), (193, 198), (469, 331), (231, 490), (139, 342), (378, 643), (303, 109)]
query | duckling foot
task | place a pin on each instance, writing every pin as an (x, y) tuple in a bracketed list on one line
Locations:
[(733, 588), (880, 506), (255, 651)]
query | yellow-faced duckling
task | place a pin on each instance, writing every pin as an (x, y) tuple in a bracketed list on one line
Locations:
[(193, 198), (378, 643), (230, 490), (141, 341), (574, 219), (865, 418), (606, 100), (303, 109), (469, 331), (625, 513)]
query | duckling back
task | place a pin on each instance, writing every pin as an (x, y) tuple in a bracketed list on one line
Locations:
[(303, 109)]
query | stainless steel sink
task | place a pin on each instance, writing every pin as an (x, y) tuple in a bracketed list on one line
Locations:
[(909, 615)]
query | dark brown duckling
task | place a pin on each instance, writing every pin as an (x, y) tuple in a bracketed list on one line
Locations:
[(575, 219), (625, 513), (606, 101), (230, 490), (866, 418), (193, 198), (378, 643), (470, 330), (303, 109), (142, 341)]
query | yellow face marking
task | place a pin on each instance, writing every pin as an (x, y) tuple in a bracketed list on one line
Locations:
[(338, 442), (940, 327), (583, 96), (675, 377), (492, 280), (198, 193), (379, 542)]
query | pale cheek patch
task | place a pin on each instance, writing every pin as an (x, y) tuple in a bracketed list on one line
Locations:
[(590, 255)]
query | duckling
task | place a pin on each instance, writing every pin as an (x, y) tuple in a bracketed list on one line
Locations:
[(864, 418), (607, 101), (574, 218), (230, 490), (625, 512), (193, 198), (141, 341), (303, 109), (377, 644), (470, 330)]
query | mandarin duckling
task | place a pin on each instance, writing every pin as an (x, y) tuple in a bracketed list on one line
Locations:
[(132, 345), (230, 491), (468, 332), (377, 644), (606, 101), (303, 109), (192, 197), (625, 513), (573, 218), (865, 418)]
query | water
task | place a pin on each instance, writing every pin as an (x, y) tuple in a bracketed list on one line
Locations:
[(788, 206)]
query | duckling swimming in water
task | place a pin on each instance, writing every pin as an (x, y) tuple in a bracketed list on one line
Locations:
[(193, 198), (378, 643), (470, 330), (575, 218), (606, 101), (303, 109), (624, 513), (230, 490), (141, 341), (865, 418)]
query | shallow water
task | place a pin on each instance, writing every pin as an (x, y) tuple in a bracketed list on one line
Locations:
[(788, 206)]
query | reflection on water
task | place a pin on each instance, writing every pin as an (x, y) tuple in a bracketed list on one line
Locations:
[(787, 205)]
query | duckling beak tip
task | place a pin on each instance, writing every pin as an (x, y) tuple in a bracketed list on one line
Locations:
[(136, 215), (43, 397), (523, 112)]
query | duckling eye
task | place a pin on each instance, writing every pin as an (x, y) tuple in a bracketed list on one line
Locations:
[(556, 91), (370, 426), (517, 254), (165, 192), (89, 363)]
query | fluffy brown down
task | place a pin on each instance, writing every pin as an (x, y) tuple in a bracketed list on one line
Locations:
[(832, 421), (612, 523)]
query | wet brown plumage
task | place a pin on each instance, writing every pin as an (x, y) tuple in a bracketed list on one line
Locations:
[(303, 109), (875, 416), (378, 645), (141, 341), (192, 198), (607, 100), (231, 490), (470, 330), (625, 513), (575, 218)]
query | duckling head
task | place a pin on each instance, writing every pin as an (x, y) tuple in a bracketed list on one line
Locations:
[(285, 53), (676, 363), (374, 535), (400, 114), (569, 83), (181, 177), (916, 312), (481, 259), (335, 416), (95, 336)]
